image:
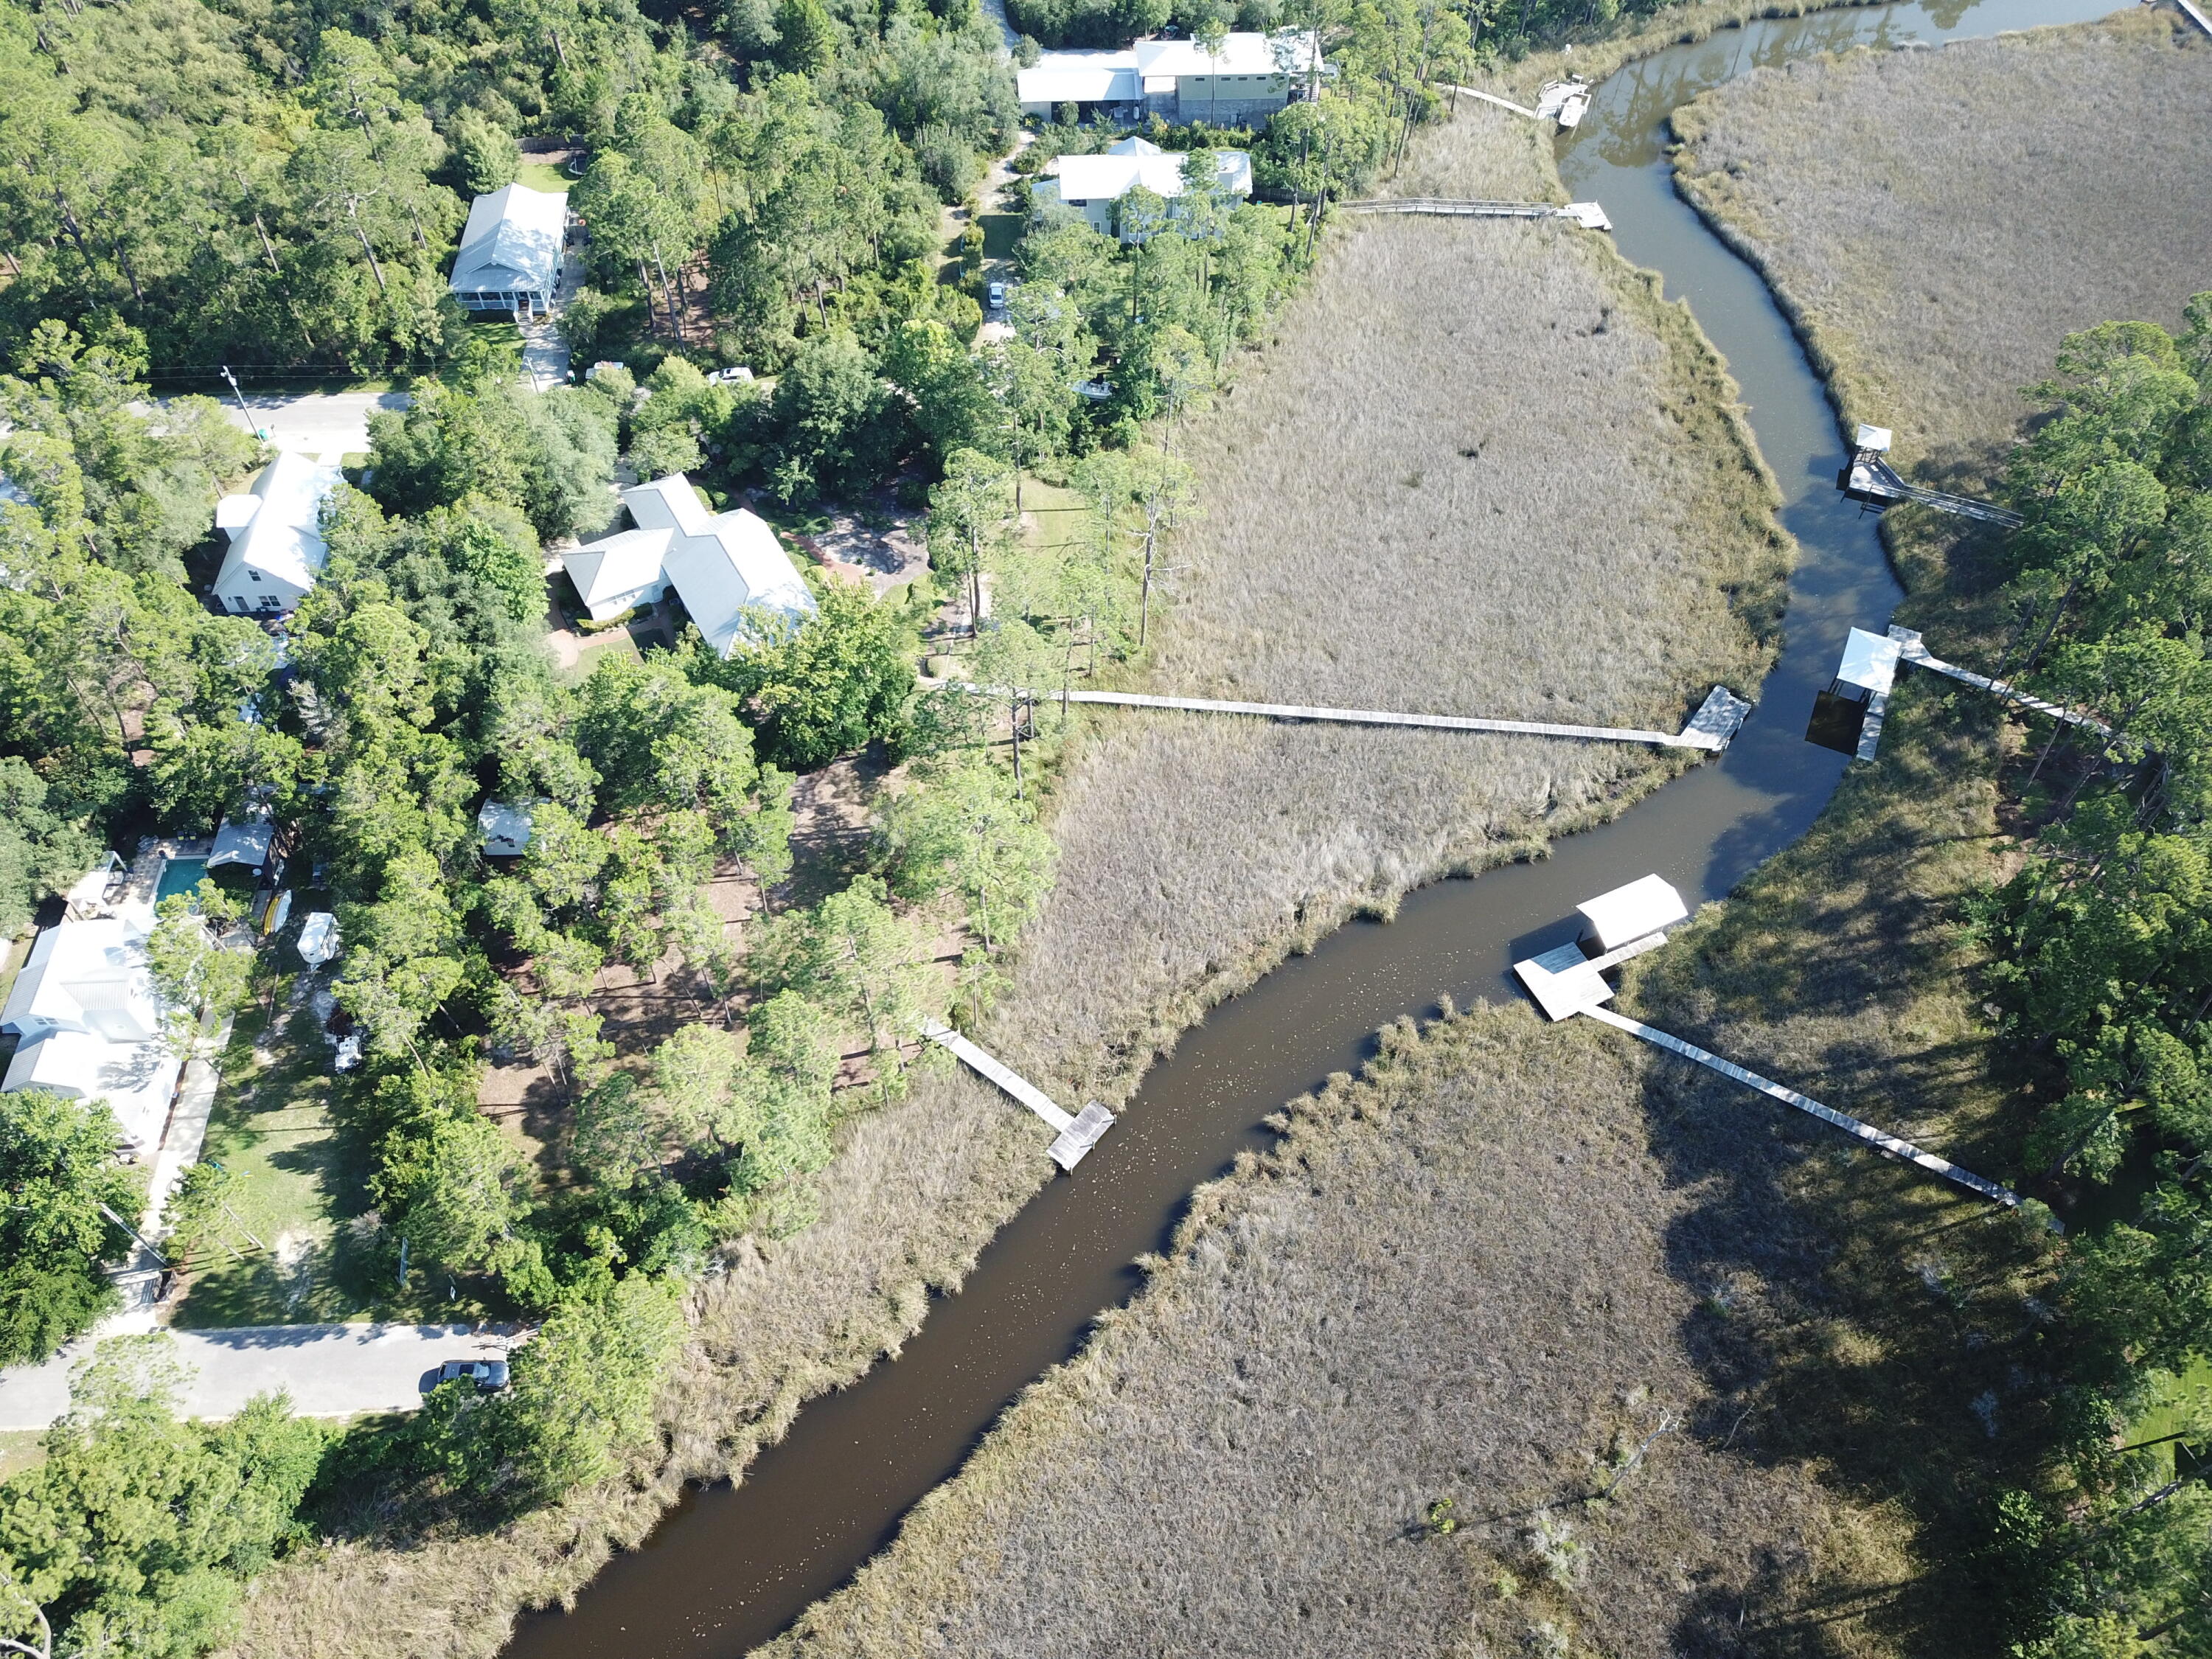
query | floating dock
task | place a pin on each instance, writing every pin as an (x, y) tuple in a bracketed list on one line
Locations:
[(1711, 728), (1076, 1134)]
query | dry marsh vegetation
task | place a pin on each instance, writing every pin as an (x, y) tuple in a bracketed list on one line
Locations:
[(1483, 461), (1349, 551), (1400, 1305), (1502, 1260), (1936, 220)]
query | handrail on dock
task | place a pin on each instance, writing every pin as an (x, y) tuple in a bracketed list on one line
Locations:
[(1914, 652)]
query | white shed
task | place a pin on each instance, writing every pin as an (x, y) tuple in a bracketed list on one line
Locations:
[(1627, 914)]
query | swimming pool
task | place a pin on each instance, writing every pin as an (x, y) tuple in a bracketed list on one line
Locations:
[(178, 876)]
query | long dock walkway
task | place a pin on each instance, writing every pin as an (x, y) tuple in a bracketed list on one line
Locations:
[(1502, 103), (1903, 1151), (1711, 728), (1912, 651), (1075, 1133), (1589, 214)]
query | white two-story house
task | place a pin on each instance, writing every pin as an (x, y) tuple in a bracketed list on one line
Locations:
[(1239, 82)]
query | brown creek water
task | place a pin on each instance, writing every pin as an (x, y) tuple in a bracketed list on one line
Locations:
[(732, 1566)]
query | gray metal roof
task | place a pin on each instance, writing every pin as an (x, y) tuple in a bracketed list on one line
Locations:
[(512, 243)]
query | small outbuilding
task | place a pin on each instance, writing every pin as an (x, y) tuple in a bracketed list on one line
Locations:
[(506, 827), (1646, 906), (244, 839), (511, 251)]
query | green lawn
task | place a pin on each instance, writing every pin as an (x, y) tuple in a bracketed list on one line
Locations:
[(2181, 1403), (1058, 516), (539, 175), (293, 1253), (282, 1258), (19, 1450)]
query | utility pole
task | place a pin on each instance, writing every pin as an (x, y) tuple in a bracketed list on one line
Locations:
[(245, 406)]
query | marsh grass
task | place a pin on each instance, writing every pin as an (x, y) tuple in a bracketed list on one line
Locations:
[(1413, 1298), (1606, 554), (1501, 1260), (1936, 220)]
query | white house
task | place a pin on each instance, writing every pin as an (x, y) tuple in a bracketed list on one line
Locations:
[(276, 548), (1094, 184), (90, 1027), (511, 251), (1246, 79), (721, 564)]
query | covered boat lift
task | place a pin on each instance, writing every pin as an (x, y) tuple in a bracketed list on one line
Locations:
[(1869, 480)]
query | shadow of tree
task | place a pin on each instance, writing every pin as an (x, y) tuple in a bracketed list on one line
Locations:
[(1855, 1314)]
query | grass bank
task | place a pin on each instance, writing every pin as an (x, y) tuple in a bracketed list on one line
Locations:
[(1401, 508), (1935, 221)]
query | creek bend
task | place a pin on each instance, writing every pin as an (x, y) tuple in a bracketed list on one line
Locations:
[(730, 1567)]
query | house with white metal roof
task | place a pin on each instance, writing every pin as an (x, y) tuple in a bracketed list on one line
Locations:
[(89, 1026), (276, 548), (1244, 80), (722, 565), (511, 251), (1094, 185)]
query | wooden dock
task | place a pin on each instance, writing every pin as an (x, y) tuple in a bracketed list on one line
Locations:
[(1912, 651), (1903, 1151), (1076, 1134), (1711, 728), (1589, 214), (1502, 103)]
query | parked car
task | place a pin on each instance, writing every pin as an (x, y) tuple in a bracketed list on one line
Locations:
[(996, 295), (729, 376), (488, 1375)]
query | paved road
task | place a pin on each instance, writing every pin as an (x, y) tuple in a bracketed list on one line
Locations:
[(330, 1370), (330, 424)]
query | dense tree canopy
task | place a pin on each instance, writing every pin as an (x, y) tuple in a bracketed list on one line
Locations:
[(2104, 958)]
